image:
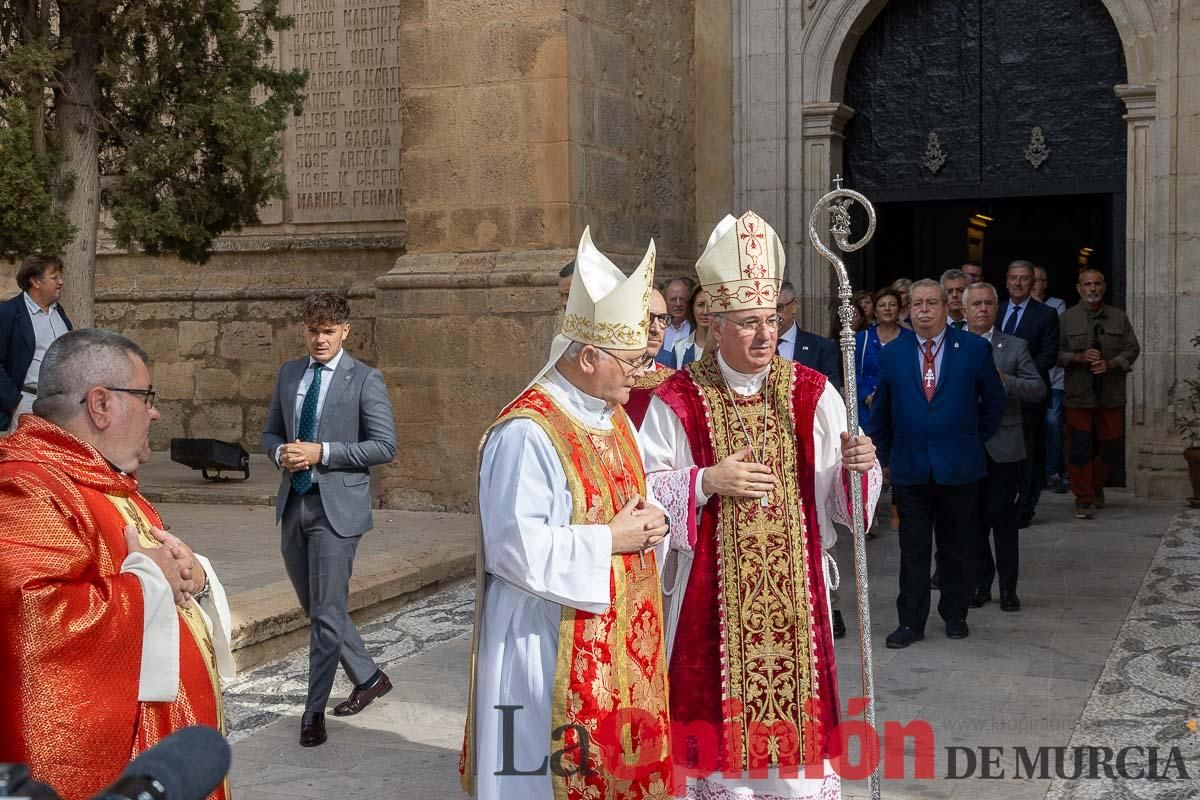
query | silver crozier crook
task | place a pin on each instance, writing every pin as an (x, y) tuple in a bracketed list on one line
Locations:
[(839, 202)]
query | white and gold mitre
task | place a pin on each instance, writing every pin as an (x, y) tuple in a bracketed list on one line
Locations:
[(742, 264), (604, 307)]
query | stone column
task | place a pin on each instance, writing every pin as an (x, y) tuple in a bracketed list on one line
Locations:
[(1153, 451), (824, 126)]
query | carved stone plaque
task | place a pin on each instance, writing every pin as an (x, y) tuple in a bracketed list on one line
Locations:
[(343, 152)]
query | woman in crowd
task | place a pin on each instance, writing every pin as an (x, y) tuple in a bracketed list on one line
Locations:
[(902, 287), (693, 347), (865, 304), (870, 342)]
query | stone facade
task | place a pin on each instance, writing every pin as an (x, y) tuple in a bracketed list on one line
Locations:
[(788, 115), (521, 121)]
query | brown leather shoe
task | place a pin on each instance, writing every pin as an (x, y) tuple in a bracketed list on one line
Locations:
[(312, 729), (361, 698)]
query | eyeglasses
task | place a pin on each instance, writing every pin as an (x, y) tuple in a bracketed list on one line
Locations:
[(639, 366), (751, 325), (662, 319), (782, 306), (146, 394)]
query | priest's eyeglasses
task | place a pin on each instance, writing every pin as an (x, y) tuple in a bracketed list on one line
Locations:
[(751, 325), (146, 394), (641, 365)]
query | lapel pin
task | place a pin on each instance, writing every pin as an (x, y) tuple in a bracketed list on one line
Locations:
[(956, 345)]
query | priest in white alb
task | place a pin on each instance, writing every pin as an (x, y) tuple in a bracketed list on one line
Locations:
[(569, 684), (750, 455)]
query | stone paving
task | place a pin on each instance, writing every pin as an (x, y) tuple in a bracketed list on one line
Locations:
[(1021, 679)]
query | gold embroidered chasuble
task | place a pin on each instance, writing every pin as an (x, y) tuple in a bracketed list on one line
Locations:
[(759, 570), (609, 698)]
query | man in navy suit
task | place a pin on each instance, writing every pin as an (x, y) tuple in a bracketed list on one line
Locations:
[(813, 351), (938, 400), (1024, 317), (29, 324)]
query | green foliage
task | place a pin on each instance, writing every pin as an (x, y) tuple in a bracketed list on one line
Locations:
[(29, 222), (1187, 415), (189, 112)]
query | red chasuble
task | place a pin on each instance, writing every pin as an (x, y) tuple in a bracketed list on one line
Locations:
[(611, 675), (71, 627), (643, 390), (753, 657)]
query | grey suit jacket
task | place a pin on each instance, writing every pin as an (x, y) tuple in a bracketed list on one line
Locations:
[(356, 420), (1022, 384)]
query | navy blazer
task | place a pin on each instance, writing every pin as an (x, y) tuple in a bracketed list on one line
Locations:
[(817, 352), (1038, 326), (939, 441), (16, 352)]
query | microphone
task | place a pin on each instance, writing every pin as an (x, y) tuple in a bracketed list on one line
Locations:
[(187, 765)]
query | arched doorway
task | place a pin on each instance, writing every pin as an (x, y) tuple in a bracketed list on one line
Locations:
[(990, 131)]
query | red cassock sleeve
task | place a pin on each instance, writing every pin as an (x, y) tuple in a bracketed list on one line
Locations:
[(70, 637)]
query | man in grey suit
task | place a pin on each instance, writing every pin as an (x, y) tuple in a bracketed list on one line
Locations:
[(330, 421), (1005, 451)]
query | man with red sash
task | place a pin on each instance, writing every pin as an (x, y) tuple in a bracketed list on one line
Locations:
[(114, 634), (749, 451), (656, 373), (569, 674)]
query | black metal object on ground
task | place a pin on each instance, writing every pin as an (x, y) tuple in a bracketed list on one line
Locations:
[(212, 455)]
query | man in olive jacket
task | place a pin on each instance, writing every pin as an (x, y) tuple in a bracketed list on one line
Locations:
[(1097, 347)]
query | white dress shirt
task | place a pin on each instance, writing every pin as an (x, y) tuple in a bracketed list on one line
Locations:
[(787, 343), (327, 372), (939, 350), (672, 334), (48, 325)]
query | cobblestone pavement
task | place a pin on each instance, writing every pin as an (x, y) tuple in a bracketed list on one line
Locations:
[(1020, 681)]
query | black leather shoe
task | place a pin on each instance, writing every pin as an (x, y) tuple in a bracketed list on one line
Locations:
[(839, 625), (980, 598), (935, 580), (1009, 601), (312, 729), (957, 629), (1025, 519), (902, 637), (361, 698)]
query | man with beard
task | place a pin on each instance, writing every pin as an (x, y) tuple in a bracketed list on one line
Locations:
[(656, 373), (749, 452), (1098, 348)]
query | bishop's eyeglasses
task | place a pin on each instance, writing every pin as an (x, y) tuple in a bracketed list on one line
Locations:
[(641, 365)]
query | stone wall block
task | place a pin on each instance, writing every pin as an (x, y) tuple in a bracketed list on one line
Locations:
[(247, 341), (529, 226), (433, 178), (609, 51), (160, 342), (170, 424), (608, 175), (544, 107), (615, 125), (496, 109), (256, 381), (497, 340), (216, 383), (511, 49), (224, 421), (432, 118), (175, 380), (427, 230), (197, 338), (217, 309), (430, 342), (477, 229), (155, 311), (109, 314), (252, 427)]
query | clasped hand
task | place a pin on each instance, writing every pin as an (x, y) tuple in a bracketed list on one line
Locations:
[(179, 565), (638, 526), (298, 455)]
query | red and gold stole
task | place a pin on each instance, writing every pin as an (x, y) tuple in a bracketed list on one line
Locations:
[(611, 677), (753, 653), (643, 390)]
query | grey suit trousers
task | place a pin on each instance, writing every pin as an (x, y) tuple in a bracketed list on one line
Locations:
[(319, 564)]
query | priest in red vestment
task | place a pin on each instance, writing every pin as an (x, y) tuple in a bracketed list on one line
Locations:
[(648, 381), (113, 633), (749, 452)]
